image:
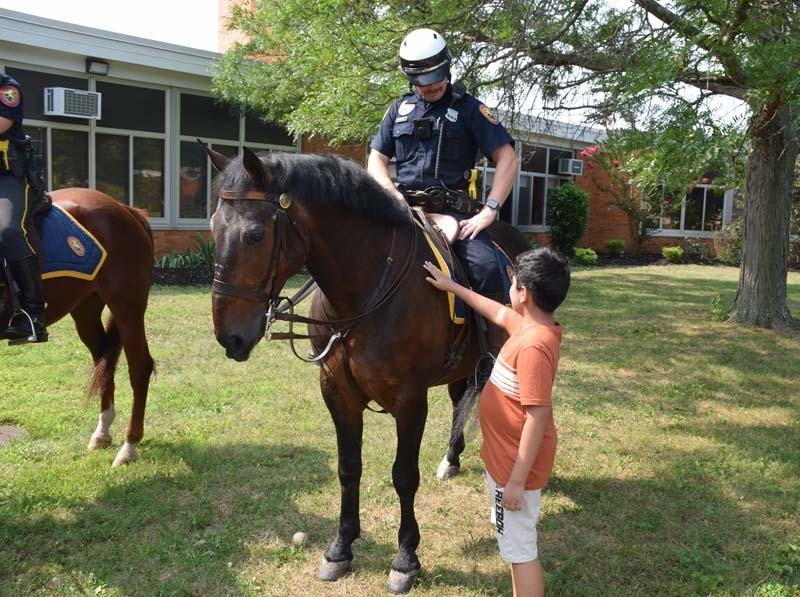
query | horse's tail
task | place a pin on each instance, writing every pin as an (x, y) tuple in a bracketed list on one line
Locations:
[(465, 411)]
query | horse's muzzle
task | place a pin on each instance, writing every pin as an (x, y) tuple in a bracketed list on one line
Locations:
[(235, 347)]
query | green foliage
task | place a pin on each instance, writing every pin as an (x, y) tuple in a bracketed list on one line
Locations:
[(694, 250), (719, 308), (615, 246), (728, 242), (568, 213), (673, 254), (585, 256), (202, 256)]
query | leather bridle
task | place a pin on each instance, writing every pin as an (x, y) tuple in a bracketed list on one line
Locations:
[(280, 218), (275, 311)]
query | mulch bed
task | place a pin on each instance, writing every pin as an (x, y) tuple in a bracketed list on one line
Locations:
[(183, 276)]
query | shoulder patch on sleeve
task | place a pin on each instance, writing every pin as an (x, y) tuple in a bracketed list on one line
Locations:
[(489, 113), (9, 96)]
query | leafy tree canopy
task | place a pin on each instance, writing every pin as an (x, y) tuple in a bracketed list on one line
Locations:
[(331, 66)]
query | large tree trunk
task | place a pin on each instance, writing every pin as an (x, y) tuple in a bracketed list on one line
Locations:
[(761, 297)]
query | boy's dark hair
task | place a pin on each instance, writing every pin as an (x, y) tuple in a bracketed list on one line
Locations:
[(545, 273)]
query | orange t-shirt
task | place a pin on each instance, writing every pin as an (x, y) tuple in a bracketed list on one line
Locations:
[(522, 376)]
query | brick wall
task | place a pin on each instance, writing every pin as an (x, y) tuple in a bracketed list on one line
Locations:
[(225, 38), (177, 241), (354, 151)]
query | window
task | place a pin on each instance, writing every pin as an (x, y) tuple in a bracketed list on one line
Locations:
[(148, 175), (193, 197), (69, 158), (700, 210), (527, 205), (132, 108), (267, 133), (203, 117), (113, 163)]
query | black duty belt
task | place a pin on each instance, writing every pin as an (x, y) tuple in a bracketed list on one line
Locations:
[(436, 199)]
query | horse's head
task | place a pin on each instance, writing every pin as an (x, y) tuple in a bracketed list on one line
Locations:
[(258, 247)]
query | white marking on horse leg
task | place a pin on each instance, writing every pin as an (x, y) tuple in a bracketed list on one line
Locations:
[(127, 454), (101, 438), (445, 470), (6, 209)]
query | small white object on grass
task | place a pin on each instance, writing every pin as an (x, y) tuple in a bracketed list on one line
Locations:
[(299, 539)]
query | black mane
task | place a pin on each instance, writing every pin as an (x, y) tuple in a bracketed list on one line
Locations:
[(325, 179)]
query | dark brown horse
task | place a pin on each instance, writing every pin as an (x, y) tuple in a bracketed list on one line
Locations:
[(123, 285), (278, 212)]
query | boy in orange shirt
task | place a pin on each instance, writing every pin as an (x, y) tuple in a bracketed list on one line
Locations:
[(515, 408)]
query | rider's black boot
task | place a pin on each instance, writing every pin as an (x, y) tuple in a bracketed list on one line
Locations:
[(28, 324)]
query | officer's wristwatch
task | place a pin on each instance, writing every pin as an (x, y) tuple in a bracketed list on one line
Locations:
[(492, 204)]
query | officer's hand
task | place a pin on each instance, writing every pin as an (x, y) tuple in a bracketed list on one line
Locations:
[(472, 227)]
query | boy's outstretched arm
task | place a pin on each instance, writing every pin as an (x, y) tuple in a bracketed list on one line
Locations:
[(491, 310)]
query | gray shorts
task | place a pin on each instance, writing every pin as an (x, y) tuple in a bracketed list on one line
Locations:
[(515, 531)]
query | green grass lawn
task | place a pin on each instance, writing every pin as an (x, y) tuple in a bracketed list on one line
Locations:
[(677, 473)]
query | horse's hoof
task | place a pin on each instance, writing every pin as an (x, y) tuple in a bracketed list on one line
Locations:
[(99, 441), (446, 470), (401, 582), (126, 455), (330, 571)]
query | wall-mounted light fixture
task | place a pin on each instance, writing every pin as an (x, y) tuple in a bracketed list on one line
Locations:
[(95, 66)]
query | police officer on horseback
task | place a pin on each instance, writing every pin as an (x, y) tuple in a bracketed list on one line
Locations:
[(28, 322), (434, 132)]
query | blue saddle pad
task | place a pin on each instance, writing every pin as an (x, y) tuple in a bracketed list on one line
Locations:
[(69, 249), (503, 262)]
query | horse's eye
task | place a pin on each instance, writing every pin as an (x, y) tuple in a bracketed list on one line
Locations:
[(253, 236)]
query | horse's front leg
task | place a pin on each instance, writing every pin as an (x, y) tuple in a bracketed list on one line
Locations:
[(410, 415), (348, 418)]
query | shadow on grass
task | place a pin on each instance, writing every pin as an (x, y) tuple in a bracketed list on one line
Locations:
[(176, 533), (676, 535)]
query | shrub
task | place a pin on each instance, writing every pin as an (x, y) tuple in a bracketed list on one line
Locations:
[(585, 256), (203, 256), (673, 254), (568, 212), (694, 250), (719, 310), (728, 242), (615, 246)]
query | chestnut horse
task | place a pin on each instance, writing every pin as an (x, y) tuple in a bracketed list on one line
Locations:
[(123, 285), (381, 333)]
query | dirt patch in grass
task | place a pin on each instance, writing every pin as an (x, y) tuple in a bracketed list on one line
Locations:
[(8, 432)]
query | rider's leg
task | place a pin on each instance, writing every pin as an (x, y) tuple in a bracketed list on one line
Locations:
[(485, 277), (28, 325)]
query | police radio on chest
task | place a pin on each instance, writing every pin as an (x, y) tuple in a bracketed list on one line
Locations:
[(423, 129)]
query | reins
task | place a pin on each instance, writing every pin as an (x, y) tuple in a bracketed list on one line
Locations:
[(278, 305)]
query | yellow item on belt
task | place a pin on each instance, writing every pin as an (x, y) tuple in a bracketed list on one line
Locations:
[(4, 143), (472, 189)]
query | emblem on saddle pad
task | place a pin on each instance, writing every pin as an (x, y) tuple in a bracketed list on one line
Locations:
[(76, 246)]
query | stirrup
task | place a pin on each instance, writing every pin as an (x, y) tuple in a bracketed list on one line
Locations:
[(31, 338)]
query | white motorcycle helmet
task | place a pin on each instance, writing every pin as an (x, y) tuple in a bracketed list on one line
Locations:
[(424, 57)]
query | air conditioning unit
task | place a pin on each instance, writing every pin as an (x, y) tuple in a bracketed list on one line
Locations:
[(62, 101), (570, 167)]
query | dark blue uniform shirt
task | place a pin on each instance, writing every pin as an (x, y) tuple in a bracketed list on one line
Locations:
[(469, 126)]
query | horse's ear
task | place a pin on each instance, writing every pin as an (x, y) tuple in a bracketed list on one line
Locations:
[(217, 159), (255, 169)]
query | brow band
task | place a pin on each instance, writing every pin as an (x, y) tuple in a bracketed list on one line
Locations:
[(249, 195)]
